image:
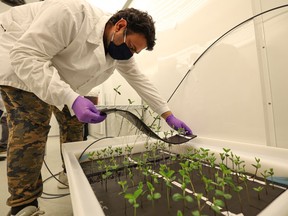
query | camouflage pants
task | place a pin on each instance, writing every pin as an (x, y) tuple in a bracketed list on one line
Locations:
[(4, 134), (28, 120)]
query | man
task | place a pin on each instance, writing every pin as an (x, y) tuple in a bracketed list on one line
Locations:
[(14, 2), (51, 53)]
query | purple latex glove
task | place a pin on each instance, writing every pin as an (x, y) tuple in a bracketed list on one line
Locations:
[(175, 123), (86, 111)]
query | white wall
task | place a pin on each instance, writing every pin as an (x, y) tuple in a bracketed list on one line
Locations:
[(273, 46), (107, 95), (222, 98), (237, 91)]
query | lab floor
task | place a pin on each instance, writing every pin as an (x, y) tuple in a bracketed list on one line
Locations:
[(52, 207)]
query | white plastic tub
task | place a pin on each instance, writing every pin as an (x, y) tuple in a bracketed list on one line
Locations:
[(85, 203)]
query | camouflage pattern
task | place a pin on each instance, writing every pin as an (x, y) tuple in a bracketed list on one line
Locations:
[(71, 130), (28, 122)]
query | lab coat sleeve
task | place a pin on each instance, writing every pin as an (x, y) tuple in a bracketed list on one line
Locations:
[(142, 85), (52, 29)]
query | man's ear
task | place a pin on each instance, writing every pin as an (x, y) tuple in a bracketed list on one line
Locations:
[(121, 24)]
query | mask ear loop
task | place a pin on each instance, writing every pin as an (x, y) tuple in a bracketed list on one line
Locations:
[(125, 35), (112, 38)]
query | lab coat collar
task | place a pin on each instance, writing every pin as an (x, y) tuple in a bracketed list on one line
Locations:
[(98, 26), (96, 36)]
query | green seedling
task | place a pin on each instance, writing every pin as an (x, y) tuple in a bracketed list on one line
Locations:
[(258, 190), (204, 154), (222, 182), (154, 178), (208, 184), (91, 157), (128, 150), (231, 158), (168, 176), (226, 154), (130, 101), (184, 181), (222, 156), (100, 164), (132, 197), (188, 168), (237, 162), (181, 131), (146, 172), (257, 167), (106, 175), (238, 189), (152, 196), (200, 207), (104, 152), (98, 154), (124, 187), (119, 152), (166, 133), (217, 205), (243, 177), (265, 175), (185, 198), (226, 196), (117, 92), (131, 176), (271, 173)]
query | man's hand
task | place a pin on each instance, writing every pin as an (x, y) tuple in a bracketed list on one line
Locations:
[(86, 111), (177, 124)]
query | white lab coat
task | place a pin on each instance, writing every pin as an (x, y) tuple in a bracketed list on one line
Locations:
[(55, 49)]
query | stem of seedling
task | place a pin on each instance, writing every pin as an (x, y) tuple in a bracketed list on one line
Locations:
[(222, 156), (185, 179), (265, 175), (258, 190), (257, 166), (106, 175), (271, 173), (217, 205), (167, 174), (91, 157), (198, 198), (117, 92), (131, 176), (226, 154), (152, 196), (132, 197), (244, 178), (124, 188), (238, 189)]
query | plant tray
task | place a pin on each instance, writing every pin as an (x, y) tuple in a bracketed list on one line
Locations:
[(91, 196), (107, 191)]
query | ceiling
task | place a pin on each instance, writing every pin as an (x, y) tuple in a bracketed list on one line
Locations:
[(166, 13)]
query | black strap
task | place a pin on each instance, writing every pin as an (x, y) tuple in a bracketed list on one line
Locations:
[(176, 139)]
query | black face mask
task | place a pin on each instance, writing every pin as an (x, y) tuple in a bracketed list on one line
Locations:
[(121, 52)]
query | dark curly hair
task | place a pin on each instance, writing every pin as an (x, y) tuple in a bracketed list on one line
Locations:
[(137, 22)]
